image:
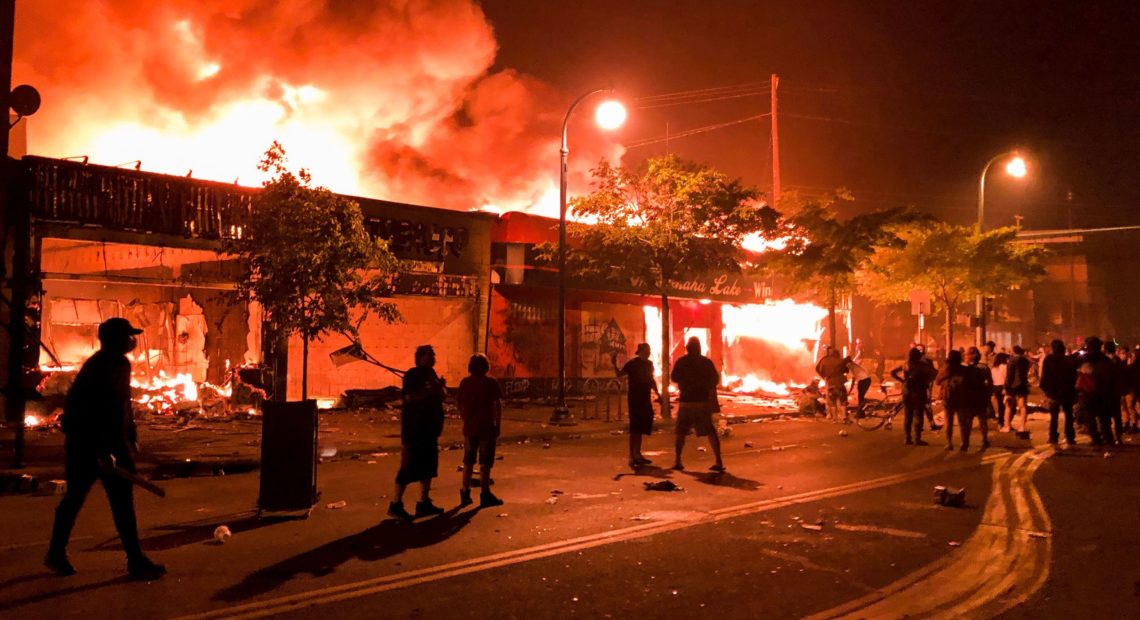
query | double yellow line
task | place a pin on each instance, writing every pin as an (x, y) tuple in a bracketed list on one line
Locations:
[(1003, 563), (367, 587)]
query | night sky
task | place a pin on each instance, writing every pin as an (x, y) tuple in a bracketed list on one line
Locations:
[(901, 102)]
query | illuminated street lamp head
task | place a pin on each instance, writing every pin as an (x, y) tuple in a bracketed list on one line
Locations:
[(1016, 167), (610, 115)]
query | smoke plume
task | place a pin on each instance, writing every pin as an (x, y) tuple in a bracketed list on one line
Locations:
[(392, 100)]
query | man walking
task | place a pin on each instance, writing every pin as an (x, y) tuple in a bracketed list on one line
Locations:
[(642, 385), (421, 422), (100, 437), (1059, 381), (697, 378), (860, 379), (481, 407)]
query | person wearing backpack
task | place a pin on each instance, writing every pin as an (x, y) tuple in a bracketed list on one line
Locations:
[(1059, 381), (979, 389), (915, 375), (1017, 391)]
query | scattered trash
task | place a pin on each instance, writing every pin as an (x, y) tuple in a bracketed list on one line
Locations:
[(641, 518), (617, 432), (502, 514), (1108, 455), (336, 505), (953, 498), (328, 453), (553, 499), (57, 487), (662, 485), (1038, 535), (498, 457), (843, 433), (222, 534), (370, 462), (812, 526), (556, 492), (702, 449), (460, 468), (545, 446), (748, 444), (954, 543)]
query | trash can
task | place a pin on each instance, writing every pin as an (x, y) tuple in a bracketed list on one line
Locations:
[(288, 456)]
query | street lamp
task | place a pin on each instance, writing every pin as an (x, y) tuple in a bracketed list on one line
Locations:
[(609, 115), (1014, 167)]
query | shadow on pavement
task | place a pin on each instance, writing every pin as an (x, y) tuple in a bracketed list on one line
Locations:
[(649, 471), (195, 532), (55, 593), (386, 539), (725, 479)]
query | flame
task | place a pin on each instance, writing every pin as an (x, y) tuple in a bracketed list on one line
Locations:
[(396, 100), (786, 323), (162, 392), (32, 420)]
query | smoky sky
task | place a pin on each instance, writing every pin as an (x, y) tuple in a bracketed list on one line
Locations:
[(902, 102)]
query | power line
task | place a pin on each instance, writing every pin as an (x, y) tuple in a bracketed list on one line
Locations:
[(701, 92), (666, 104), (694, 131)]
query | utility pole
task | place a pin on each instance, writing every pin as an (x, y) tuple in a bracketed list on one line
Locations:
[(1072, 322), (16, 230), (774, 82)]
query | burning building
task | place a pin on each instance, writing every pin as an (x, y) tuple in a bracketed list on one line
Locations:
[(761, 344)]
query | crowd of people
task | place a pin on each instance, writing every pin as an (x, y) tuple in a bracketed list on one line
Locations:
[(1095, 387)]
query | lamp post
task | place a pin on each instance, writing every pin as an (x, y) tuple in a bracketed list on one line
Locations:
[(1015, 167), (609, 115)]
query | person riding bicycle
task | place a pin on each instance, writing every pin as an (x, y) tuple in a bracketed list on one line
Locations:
[(834, 371), (916, 376)]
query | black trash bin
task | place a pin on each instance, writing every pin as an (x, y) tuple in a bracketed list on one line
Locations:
[(288, 456)]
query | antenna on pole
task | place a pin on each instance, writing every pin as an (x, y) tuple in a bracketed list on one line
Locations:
[(774, 82)]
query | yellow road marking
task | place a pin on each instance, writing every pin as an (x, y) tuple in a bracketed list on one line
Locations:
[(348, 591)]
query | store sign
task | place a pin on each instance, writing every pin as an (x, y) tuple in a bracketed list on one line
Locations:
[(419, 240), (724, 287)]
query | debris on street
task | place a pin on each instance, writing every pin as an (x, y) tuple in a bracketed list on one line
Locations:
[(953, 498), (662, 485), (222, 534), (335, 505)]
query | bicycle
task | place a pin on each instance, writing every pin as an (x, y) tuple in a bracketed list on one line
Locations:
[(875, 414)]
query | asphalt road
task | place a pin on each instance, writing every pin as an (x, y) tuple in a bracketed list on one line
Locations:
[(805, 522)]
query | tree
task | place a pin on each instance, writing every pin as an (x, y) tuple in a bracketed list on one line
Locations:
[(664, 221), (308, 260), (823, 252), (954, 263)]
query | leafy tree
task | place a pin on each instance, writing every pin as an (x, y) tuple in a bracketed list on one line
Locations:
[(308, 260), (954, 263), (823, 253), (665, 221)]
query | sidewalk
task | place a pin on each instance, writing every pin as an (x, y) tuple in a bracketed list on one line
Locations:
[(208, 447)]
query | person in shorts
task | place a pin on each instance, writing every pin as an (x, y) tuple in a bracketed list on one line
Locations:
[(834, 371), (481, 407), (642, 387), (697, 379), (421, 422)]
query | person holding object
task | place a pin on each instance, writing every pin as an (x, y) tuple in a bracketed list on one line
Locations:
[(481, 407), (421, 423), (916, 376), (697, 378), (100, 435), (642, 384)]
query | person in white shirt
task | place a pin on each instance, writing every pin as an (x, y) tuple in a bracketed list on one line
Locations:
[(860, 379), (997, 401)]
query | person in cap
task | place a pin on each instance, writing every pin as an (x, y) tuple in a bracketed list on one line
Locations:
[(421, 423), (642, 385), (99, 437)]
